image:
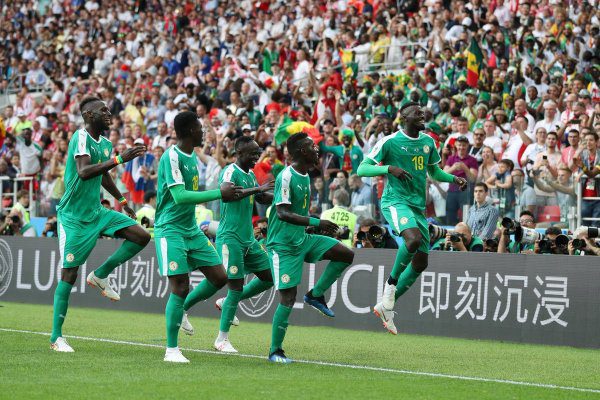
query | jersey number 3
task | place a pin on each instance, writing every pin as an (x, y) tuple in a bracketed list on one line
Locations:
[(418, 161)]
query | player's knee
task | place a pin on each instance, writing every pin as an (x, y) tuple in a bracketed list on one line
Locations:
[(348, 256), (419, 267), (236, 284), (144, 238), (69, 275), (412, 242)]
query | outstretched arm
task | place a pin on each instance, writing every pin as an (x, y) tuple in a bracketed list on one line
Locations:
[(436, 173), (285, 213), (368, 168), (86, 170), (109, 185), (181, 196)]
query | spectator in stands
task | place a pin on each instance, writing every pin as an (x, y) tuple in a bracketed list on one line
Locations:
[(361, 192), (502, 181), (371, 235), (349, 154), (588, 160), (465, 166), (477, 146), (568, 152), (22, 205), (460, 239), (489, 166), (564, 189), (483, 216), (492, 139), (30, 154), (21, 123)]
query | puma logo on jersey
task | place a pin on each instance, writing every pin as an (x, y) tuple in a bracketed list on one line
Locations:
[(404, 148), (186, 167), (300, 187)]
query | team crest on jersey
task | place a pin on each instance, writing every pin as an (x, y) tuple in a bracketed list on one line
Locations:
[(70, 257), (173, 266), (233, 269), (285, 278), (355, 156), (105, 152), (403, 221), (426, 149)]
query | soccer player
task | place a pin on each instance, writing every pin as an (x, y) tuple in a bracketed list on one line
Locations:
[(81, 217), (289, 246), (181, 247), (407, 157), (236, 245)]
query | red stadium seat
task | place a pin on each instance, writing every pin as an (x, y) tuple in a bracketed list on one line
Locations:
[(549, 214)]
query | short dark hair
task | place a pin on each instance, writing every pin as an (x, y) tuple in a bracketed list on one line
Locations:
[(508, 163), (22, 193), (552, 133), (293, 143), (482, 185), (527, 212), (407, 105), (553, 230), (242, 141), (87, 100), (182, 123), (149, 195), (592, 133)]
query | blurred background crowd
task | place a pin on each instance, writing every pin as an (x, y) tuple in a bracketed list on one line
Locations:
[(510, 88)]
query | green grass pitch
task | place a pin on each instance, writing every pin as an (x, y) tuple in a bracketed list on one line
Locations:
[(110, 370)]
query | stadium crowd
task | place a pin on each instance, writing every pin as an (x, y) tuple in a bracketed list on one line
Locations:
[(510, 89)]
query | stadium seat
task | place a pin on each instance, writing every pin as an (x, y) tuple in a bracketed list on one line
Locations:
[(549, 214)]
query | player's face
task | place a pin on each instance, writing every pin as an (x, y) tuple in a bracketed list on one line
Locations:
[(196, 134), (415, 117), (98, 114), (249, 154), (311, 151)]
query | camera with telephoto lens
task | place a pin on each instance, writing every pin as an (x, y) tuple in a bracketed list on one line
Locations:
[(491, 245), (436, 232), (522, 234), (375, 235), (590, 232)]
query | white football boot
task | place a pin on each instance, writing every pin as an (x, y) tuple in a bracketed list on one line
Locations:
[(389, 296), (224, 346), (186, 326), (61, 346), (387, 317), (103, 285), (174, 355), (219, 306)]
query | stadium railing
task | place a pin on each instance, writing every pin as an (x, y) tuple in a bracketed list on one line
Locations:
[(18, 183), (580, 199)]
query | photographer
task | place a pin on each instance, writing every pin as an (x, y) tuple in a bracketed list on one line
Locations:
[(145, 215), (505, 245), (584, 242), (461, 239), (13, 226), (50, 229), (260, 230), (371, 235), (549, 245)]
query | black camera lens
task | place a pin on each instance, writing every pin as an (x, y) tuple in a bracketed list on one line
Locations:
[(361, 236), (263, 231), (578, 244), (454, 238)]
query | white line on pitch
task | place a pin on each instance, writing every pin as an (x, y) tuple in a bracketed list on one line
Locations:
[(330, 364)]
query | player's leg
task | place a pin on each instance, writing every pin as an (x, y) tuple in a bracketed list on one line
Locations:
[(179, 285), (61, 305), (256, 261), (280, 325), (228, 310), (340, 256), (136, 238)]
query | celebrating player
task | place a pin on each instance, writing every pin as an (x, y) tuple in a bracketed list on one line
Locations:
[(289, 246), (181, 247), (239, 250), (81, 218), (407, 157)]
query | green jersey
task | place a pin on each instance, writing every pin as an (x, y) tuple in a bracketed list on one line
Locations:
[(293, 188), (413, 155), (236, 216), (176, 168), (81, 200)]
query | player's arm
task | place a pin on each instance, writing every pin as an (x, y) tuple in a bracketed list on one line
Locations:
[(261, 192), (86, 170), (369, 167), (109, 185), (285, 213), (227, 192), (436, 173)]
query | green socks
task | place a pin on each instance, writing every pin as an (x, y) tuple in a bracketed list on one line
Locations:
[(203, 291), (333, 271), (230, 306), (61, 304), (280, 324), (254, 287), (125, 252), (403, 258), (174, 315), (406, 280)]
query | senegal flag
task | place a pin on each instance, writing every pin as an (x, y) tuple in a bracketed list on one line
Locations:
[(290, 127), (474, 59)]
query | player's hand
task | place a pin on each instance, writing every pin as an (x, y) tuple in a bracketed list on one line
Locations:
[(399, 173), (133, 152), (230, 192), (267, 186), (461, 182), (129, 211), (328, 227)]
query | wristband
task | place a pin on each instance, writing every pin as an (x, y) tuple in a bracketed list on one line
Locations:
[(312, 221), (118, 159), (123, 201)]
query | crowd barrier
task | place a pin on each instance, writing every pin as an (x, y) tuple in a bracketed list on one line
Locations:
[(522, 298)]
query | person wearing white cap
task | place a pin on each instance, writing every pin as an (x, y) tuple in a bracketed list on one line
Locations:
[(457, 30)]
